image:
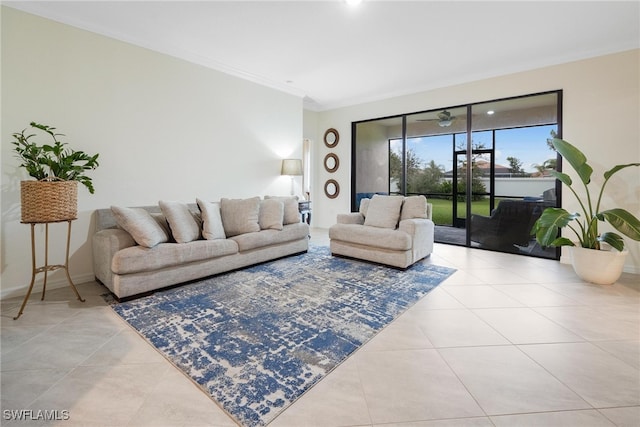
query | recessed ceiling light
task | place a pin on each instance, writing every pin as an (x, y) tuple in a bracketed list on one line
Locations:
[(490, 112), (353, 2)]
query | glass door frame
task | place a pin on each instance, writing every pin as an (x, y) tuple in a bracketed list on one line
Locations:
[(469, 154)]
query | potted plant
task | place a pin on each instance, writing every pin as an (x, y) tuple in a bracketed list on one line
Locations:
[(596, 257), (57, 170)]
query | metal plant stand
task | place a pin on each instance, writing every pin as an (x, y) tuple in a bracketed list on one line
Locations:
[(46, 267)]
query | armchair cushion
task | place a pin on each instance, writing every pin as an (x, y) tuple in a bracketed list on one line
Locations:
[(378, 237), (364, 205), (384, 211), (414, 207)]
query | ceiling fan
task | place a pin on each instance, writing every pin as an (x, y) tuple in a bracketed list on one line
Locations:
[(444, 119)]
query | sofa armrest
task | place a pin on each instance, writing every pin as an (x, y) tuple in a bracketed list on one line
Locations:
[(105, 244), (350, 218), (422, 232), (430, 211)]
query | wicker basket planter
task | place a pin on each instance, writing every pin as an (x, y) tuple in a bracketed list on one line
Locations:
[(48, 201)]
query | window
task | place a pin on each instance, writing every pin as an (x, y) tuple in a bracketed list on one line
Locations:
[(498, 149)]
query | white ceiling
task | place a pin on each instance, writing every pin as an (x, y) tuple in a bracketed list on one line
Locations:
[(334, 55)]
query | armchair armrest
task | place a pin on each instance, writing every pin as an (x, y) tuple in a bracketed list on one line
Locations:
[(350, 218), (415, 226), (422, 232)]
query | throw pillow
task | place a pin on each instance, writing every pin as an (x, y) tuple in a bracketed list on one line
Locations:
[(414, 207), (291, 212), (144, 229), (162, 221), (212, 227), (271, 214), (240, 216), (183, 224), (384, 211)]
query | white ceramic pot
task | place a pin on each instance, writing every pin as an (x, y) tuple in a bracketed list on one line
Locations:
[(602, 267)]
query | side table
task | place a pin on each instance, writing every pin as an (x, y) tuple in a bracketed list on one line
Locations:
[(304, 207), (46, 267)]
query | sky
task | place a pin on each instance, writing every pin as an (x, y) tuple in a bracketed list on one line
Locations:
[(529, 145)]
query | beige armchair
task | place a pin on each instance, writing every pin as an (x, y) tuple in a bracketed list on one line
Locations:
[(392, 230)]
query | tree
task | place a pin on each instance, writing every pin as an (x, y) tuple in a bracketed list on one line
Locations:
[(429, 180), (515, 166), (414, 169), (395, 166), (547, 165)]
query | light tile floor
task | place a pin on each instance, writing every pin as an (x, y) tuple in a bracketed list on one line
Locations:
[(505, 341)]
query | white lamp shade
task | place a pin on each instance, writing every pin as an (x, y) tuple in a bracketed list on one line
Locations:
[(291, 167)]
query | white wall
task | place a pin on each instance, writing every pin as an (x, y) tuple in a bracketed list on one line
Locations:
[(600, 115), (164, 128)]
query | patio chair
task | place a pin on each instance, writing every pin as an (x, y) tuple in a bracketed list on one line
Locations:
[(508, 226)]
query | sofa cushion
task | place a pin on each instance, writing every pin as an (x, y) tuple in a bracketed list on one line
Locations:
[(383, 238), (137, 259), (271, 214), (212, 227), (145, 229), (240, 216), (289, 233), (414, 207), (291, 212), (383, 211), (184, 225)]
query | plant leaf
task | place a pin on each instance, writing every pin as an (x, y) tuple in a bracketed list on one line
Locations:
[(562, 241), (562, 177), (616, 168), (623, 221), (576, 159), (614, 239), (547, 227)]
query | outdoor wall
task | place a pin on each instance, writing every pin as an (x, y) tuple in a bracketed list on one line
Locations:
[(372, 156), (165, 129), (593, 89), (520, 187)]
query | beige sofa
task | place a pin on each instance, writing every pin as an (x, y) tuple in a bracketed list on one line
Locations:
[(392, 230), (138, 250)]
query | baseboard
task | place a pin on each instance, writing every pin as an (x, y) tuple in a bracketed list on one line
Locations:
[(51, 284), (632, 269)]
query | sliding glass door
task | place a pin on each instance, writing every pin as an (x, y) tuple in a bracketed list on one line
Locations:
[(484, 167)]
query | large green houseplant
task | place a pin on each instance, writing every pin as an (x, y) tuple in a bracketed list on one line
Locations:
[(57, 170), (584, 225), (53, 161)]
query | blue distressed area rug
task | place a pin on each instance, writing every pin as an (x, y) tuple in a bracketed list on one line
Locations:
[(256, 339)]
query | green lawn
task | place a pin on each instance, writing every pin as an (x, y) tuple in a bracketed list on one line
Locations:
[(443, 209)]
